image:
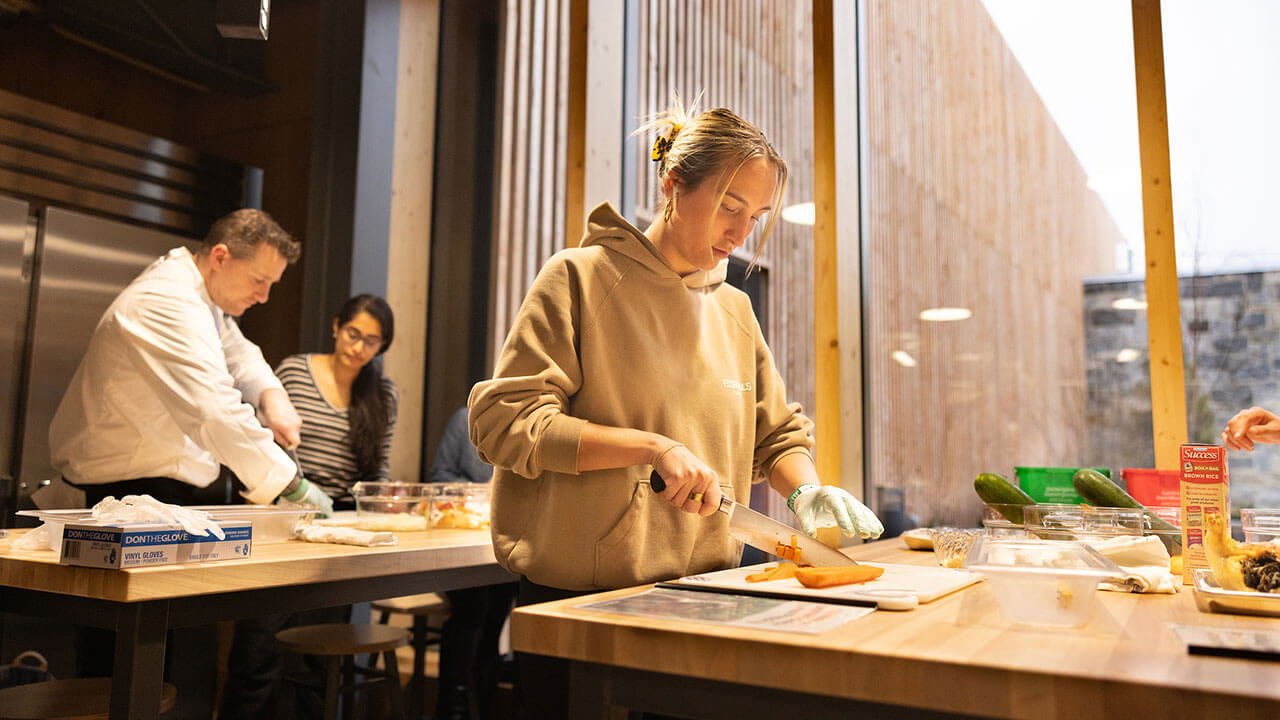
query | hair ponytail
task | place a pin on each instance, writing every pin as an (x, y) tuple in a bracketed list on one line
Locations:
[(370, 408)]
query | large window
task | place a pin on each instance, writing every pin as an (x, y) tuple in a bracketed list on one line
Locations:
[(1000, 160)]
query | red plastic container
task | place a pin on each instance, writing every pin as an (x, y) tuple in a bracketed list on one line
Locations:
[(1153, 488)]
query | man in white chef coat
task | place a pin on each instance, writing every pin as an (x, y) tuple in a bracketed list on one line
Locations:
[(168, 388)]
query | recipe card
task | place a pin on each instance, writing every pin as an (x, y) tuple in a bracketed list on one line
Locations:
[(737, 610)]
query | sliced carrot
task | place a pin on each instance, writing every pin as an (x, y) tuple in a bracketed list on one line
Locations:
[(789, 552), (780, 572), (820, 577), (784, 571)]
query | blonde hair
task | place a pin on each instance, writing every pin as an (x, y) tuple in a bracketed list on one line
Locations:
[(716, 143)]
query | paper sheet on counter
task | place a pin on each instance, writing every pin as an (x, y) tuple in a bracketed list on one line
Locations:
[(738, 610)]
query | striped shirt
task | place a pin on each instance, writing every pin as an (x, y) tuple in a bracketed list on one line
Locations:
[(325, 453)]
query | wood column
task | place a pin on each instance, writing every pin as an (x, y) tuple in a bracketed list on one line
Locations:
[(836, 249), (409, 244), (1164, 325)]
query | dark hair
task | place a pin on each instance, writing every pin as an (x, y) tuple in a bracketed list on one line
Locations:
[(370, 407), (242, 231)]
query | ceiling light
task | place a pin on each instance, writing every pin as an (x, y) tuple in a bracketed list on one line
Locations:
[(946, 314), (903, 358), (800, 213), (1128, 303), (1127, 355)]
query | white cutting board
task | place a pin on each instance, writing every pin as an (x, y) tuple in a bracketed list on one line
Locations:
[(927, 583)]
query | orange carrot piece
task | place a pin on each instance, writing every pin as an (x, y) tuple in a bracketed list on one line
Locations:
[(780, 572), (820, 577)]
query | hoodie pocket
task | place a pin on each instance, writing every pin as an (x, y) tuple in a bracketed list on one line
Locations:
[(619, 559)]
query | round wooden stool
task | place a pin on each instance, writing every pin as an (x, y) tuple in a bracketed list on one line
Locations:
[(424, 608), (70, 699), (340, 643)]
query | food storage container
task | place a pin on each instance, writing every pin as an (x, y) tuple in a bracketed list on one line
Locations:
[(1051, 484), (1260, 525), (1002, 520), (271, 523), (393, 506), (951, 544), (462, 505), (1080, 522), (1041, 582), (1153, 487)]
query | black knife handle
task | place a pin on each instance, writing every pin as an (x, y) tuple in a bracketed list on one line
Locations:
[(656, 482)]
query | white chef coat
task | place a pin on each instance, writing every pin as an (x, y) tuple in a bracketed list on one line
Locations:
[(167, 388)]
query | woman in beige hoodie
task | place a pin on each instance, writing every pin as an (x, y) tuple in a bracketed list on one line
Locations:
[(630, 354)]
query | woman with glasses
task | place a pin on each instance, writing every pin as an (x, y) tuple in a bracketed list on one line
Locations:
[(348, 407), (348, 411)]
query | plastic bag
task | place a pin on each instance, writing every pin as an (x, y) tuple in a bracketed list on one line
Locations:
[(22, 671)]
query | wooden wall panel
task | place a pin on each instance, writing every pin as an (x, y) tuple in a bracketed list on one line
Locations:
[(751, 56), (974, 199)]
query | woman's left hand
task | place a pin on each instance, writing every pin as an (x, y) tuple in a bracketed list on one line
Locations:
[(692, 485)]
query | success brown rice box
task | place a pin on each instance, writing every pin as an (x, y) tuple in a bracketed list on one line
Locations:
[(1203, 486)]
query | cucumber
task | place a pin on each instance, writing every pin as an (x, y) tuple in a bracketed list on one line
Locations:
[(1006, 497), (1098, 490)]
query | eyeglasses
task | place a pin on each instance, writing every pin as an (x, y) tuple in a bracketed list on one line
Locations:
[(353, 336)]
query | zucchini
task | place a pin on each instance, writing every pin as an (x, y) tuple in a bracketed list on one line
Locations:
[(1003, 495), (1098, 490)]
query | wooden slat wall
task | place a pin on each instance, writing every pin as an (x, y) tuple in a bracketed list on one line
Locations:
[(974, 200), (529, 217), (753, 57)]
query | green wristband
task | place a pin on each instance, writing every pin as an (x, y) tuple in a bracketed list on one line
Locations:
[(791, 501)]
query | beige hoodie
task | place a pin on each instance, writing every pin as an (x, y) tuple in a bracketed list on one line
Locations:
[(609, 333)]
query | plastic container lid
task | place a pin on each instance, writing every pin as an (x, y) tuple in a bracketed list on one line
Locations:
[(1040, 582)]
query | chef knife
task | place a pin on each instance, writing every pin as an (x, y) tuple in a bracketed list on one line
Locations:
[(764, 533)]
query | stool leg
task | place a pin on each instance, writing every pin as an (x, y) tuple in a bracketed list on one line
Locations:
[(332, 680), (418, 683), (394, 692), (350, 706)]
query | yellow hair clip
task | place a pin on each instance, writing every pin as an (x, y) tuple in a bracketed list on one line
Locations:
[(663, 144), (660, 148)]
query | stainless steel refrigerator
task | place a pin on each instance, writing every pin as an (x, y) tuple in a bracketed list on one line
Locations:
[(84, 207), (71, 265)]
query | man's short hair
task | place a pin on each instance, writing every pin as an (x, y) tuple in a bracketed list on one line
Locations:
[(242, 231)]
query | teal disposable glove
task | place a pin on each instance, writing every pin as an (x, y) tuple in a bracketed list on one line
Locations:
[(309, 494), (816, 506)]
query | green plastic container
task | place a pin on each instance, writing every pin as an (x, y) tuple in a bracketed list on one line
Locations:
[(1051, 484)]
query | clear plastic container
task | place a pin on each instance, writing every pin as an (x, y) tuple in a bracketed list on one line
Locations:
[(1260, 525), (1078, 522), (1041, 582), (950, 545), (1002, 521), (463, 505), (398, 507), (271, 523)]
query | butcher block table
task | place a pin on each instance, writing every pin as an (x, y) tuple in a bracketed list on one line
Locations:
[(956, 656), (140, 604)]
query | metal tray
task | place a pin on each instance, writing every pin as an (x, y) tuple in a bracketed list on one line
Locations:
[(1211, 598)]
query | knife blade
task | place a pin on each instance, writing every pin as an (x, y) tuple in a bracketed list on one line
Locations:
[(764, 533)]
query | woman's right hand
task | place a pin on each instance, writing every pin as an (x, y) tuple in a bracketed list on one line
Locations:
[(692, 485)]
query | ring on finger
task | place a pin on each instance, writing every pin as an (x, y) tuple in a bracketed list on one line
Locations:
[(696, 497)]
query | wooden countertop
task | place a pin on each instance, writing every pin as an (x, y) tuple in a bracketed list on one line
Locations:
[(272, 565), (956, 654)]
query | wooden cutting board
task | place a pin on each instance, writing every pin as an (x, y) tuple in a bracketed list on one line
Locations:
[(926, 583)]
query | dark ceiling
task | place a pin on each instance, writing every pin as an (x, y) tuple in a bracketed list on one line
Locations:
[(174, 38)]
